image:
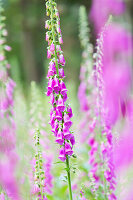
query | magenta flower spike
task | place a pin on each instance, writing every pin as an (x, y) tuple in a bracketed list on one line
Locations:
[(61, 113), (106, 131), (8, 156)]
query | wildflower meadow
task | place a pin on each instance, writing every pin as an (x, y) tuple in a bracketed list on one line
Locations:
[(66, 103)]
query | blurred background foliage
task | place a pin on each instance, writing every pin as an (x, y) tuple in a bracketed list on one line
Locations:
[(25, 24)]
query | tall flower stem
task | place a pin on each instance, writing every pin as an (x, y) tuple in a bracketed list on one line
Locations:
[(69, 178)]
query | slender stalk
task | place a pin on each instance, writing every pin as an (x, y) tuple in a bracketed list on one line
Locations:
[(69, 178)]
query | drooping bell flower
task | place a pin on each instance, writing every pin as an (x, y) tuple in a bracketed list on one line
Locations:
[(56, 85), (61, 72), (52, 47), (67, 121), (60, 104), (67, 134), (68, 149), (69, 111), (62, 155), (59, 138), (48, 54), (49, 88), (58, 115), (61, 60), (72, 140)]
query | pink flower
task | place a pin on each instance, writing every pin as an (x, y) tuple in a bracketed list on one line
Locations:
[(59, 138), (52, 47), (68, 149), (48, 54), (69, 111), (60, 104), (100, 16), (67, 121), (62, 155), (61, 60), (60, 40)]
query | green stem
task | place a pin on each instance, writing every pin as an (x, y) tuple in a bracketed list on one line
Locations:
[(54, 40), (69, 178)]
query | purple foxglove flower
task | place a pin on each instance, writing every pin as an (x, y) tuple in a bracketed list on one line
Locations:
[(61, 72), (99, 18), (56, 85), (58, 48), (68, 149), (52, 120), (60, 104), (60, 40), (58, 30), (58, 115), (62, 155), (48, 54), (67, 134), (52, 99), (67, 121), (50, 73), (72, 140), (69, 111), (61, 60), (59, 138), (49, 88), (63, 87), (52, 65), (64, 95), (55, 128), (52, 47)]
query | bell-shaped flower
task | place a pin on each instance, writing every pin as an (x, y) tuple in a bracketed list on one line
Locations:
[(60, 104), (52, 47), (49, 88), (68, 149), (62, 155), (48, 54), (61, 72), (63, 87), (60, 40), (67, 121), (58, 48), (67, 134), (52, 69), (52, 99), (72, 140), (56, 85), (61, 60), (59, 138), (64, 95), (58, 115), (55, 128), (52, 120), (69, 111)]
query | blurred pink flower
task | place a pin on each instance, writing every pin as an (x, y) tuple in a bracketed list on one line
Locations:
[(100, 16)]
